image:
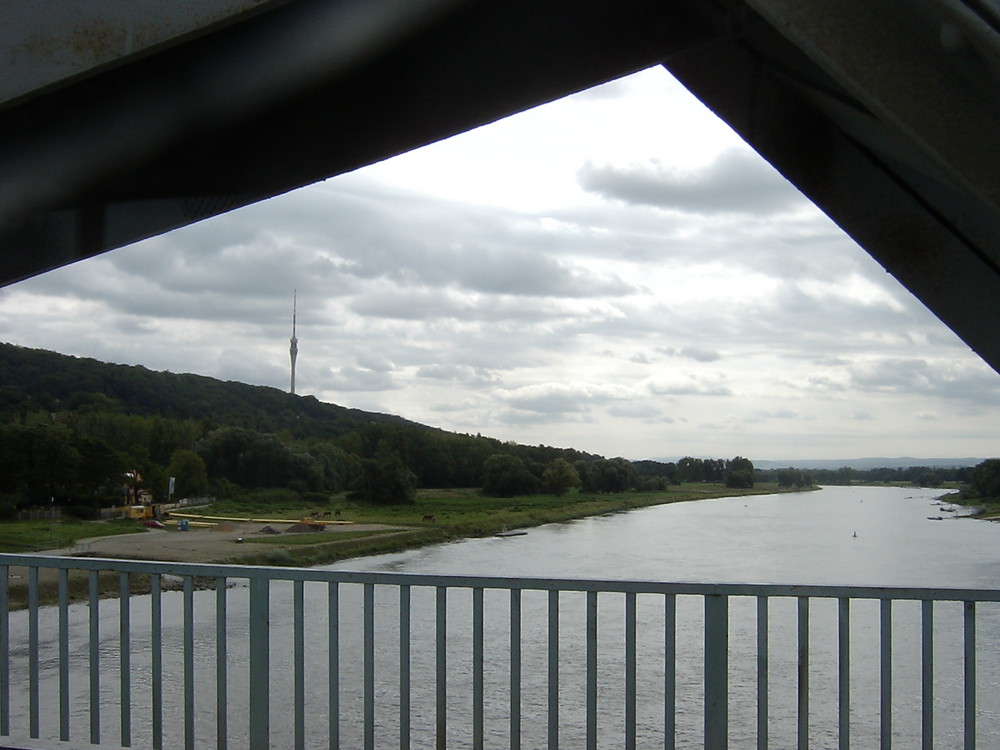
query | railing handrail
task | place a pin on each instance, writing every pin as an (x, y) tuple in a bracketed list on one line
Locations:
[(683, 588)]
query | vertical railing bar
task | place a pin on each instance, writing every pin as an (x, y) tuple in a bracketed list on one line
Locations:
[(189, 663), (927, 674), (477, 668), (299, 666), (716, 672), (156, 657), (33, 729), (260, 663), (515, 669), (441, 668), (369, 665), (803, 688), (762, 672), (630, 688), (669, 672), (125, 657), (404, 667), (94, 662), (333, 662), (4, 650), (591, 670), (970, 675), (553, 697), (885, 673), (221, 666), (64, 655), (844, 672)]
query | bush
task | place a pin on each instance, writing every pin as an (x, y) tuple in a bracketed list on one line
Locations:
[(316, 498), (82, 512), (8, 510)]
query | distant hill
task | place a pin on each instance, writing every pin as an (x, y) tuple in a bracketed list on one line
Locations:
[(860, 464), (33, 378)]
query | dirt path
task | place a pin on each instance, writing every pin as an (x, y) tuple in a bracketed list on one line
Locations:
[(199, 545)]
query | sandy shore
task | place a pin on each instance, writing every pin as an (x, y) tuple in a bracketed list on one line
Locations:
[(198, 544)]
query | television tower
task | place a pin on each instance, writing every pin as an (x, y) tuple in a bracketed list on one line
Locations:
[(293, 349)]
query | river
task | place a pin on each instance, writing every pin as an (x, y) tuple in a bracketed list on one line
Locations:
[(838, 535)]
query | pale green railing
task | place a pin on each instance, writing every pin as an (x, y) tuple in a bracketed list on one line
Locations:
[(284, 657)]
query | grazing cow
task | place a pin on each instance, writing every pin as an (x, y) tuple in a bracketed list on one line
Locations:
[(326, 514), (430, 518), (337, 514)]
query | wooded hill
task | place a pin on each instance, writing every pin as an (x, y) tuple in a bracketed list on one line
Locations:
[(71, 428)]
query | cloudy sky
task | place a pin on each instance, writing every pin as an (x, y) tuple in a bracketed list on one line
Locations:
[(615, 272)]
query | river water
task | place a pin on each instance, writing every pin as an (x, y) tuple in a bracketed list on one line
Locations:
[(839, 535)]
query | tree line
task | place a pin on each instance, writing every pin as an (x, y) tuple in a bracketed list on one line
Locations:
[(61, 443)]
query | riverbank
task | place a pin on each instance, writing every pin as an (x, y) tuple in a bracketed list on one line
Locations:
[(436, 516)]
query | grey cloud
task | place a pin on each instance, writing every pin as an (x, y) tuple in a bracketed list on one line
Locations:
[(700, 355), (736, 182), (766, 416), (458, 373), (971, 382), (561, 398), (355, 379), (374, 361), (689, 389)]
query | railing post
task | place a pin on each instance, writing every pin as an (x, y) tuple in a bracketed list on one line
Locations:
[(333, 662), (553, 710), (669, 672), (630, 671), (4, 652), (125, 657), (970, 675), (803, 642), (404, 667), (95, 658), (844, 671), (156, 658), (927, 675), (762, 672), (441, 653), (221, 671), (64, 708), (368, 656), (591, 670), (259, 663), (716, 672), (33, 702), (515, 669), (885, 673), (189, 702)]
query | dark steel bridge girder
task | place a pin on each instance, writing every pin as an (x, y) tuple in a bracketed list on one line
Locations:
[(885, 114)]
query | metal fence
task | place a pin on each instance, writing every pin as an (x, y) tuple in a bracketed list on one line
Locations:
[(185, 655)]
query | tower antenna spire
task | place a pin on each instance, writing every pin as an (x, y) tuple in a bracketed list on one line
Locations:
[(293, 349)]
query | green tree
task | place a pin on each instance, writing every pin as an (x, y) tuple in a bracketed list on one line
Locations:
[(739, 473), (189, 473), (612, 474), (386, 479), (986, 479), (505, 475), (39, 461), (559, 477)]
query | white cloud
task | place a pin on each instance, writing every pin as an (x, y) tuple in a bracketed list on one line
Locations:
[(689, 301)]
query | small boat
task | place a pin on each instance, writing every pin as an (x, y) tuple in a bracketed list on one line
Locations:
[(515, 532)]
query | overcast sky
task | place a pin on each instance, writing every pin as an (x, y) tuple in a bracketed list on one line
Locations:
[(615, 272)]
